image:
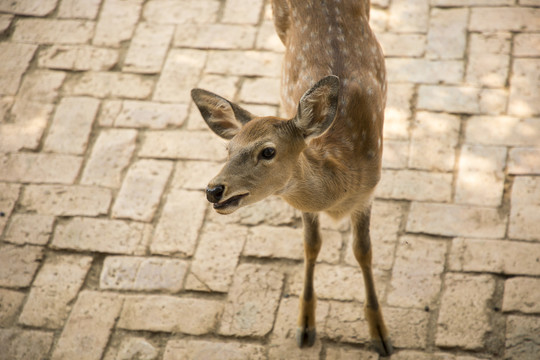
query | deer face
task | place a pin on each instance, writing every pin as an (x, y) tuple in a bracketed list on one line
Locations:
[(263, 151)]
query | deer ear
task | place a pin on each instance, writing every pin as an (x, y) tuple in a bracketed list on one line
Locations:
[(317, 107), (222, 116)]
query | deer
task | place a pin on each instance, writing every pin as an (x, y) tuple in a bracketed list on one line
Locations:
[(325, 154)]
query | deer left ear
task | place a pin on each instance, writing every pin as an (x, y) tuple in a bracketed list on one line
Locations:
[(222, 116), (317, 107)]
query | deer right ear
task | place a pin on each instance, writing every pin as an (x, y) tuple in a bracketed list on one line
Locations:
[(222, 116)]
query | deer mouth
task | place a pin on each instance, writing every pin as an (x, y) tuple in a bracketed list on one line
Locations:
[(230, 203)]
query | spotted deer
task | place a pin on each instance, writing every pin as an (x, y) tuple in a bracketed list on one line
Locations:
[(325, 156)]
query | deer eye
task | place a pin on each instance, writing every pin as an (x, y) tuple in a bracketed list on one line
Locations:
[(268, 153)]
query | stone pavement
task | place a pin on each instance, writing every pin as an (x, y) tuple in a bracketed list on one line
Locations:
[(108, 249)]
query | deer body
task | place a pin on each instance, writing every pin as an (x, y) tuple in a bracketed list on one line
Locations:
[(326, 156)]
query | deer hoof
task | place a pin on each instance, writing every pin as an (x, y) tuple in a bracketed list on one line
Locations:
[(305, 336), (383, 346)]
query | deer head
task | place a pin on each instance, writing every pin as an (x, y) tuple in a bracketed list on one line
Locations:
[(263, 152)]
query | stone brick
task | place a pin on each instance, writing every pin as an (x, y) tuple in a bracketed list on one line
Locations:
[(503, 256), (464, 314), (252, 302), (447, 36), (52, 31), (519, 295), (170, 236), (9, 193), (133, 348), (486, 19), (19, 264), (110, 84), (188, 11), (246, 63), (416, 274), (203, 36), (350, 313), (71, 126), (407, 45), (194, 175), (415, 185), (101, 235), (39, 168), (110, 156), (428, 355), (88, 328), (78, 57), (502, 130), (522, 339), (55, 287), (525, 222), (523, 161), (434, 139), (145, 114), (342, 353), (395, 154), (409, 16), (455, 220), (169, 314), (29, 7), (223, 85), (493, 101), (454, 99), (242, 11), (186, 349), (424, 71), (398, 111), (526, 190), (179, 75), (490, 43), (261, 91), (18, 344), (267, 39), (29, 229), (66, 200), (148, 48), (489, 70), (480, 179), (141, 191), (527, 44), (117, 21), (180, 144), (524, 91), (215, 260), (15, 59), (143, 274), (110, 109), (10, 303), (79, 9)]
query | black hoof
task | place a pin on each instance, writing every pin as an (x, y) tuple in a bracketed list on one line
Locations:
[(305, 337), (383, 347)]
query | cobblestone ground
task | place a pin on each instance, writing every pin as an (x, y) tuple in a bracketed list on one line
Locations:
[(108, 249)]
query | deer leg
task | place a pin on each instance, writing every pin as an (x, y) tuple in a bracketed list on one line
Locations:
[(372, 310), (305, 334)]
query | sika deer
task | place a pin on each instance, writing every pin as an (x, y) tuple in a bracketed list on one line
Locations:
[(327, 155)]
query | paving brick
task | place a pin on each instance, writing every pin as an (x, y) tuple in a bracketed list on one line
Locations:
[(148, 48), (525, 222), (342, 353), (524, 92), (78, 57), (169, 314), (5, 22), (179, 144), (522, 337), (18, 344), (493, 101), (9, 193), (267, 39), (481, 175), (490, 43), (523, 161), (413, 285), (143, 274), (398, 111), (101, 235), (66, 200), (252, 302), (415, 185), (10, 304), (173, 238), (55, 287), (496, 256), (29, 229), (88, 328), (395, 154), (409, 16), (215, 260), (132, 347), (350, 313), (407, 45), (29, 7), (117, 21), (188, 11), (19, 264), (502, 130), (470, 2), (242, 11), (52, 31), (15, 59), (71, 126), (110, 109), (434, 139), (179, 75), (526, 190), (224, 85), (261, 91), (447, 36), (519, 295), (187, 349), (110, 157), (215, 36), (464, 314), (107, 84), (454, 99), (194, 175), (153, 115), (246, 63), (489, 19), (428, 355), (39, 168), (527, 44), (455, 220), (489, 70), (79, 9), (141, 191), (424, 71)]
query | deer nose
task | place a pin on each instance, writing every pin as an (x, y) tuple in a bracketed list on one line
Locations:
[(214, 194)]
